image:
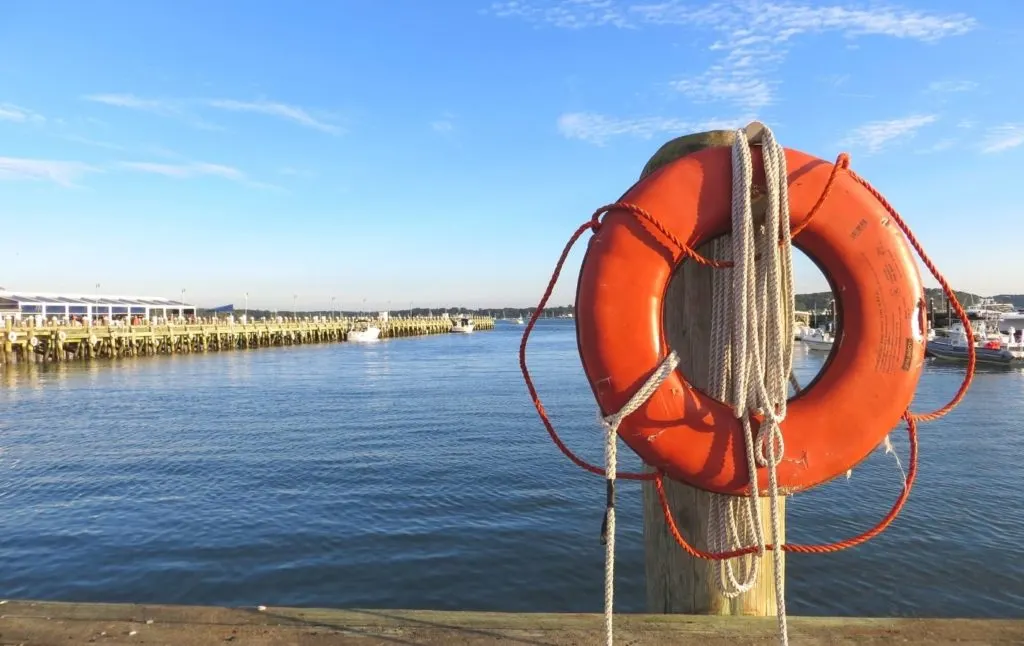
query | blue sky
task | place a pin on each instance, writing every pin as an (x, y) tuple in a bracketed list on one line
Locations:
[(441, 152)]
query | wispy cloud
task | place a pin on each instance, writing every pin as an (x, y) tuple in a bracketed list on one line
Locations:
[(95, 143), (753, 37), (171, 108), (1002, 138), (181, 171), (876, 135), (63, 173), (157, 106), (442, 125), (952, 86), (566, 14), (938, 146), (598, 129), (778, 21), (194, 169), (720, 84), (184, 109), (284, 111), (18, 114), (835, 80)]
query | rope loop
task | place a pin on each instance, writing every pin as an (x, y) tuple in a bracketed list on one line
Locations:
[(799, 548)]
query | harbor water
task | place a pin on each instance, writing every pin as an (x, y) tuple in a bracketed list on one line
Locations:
[(414, 473)]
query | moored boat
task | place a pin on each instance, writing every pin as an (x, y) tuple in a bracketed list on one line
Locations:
[(363, 332), (817, 340), (990, 348), (463, 325)]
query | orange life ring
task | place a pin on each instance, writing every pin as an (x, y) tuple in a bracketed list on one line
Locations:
[(846, 412)]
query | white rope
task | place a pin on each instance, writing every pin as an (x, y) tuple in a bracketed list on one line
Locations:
[(752, 365), (751, 368), (611, 424)]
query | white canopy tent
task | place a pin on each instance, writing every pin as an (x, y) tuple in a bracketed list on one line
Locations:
[(89, 306)]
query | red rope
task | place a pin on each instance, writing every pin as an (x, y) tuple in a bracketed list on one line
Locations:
[(947, 290), (821, 548), (580, 462)]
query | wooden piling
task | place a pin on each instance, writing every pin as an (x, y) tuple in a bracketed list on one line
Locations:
[(676, 582), (8, 355)]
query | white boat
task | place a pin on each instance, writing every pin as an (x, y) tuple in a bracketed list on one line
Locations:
[(989, 307), (363, 332), (998, 316), (463, 324), (817, 340), (801, 331), (991, 347), (520, 321)]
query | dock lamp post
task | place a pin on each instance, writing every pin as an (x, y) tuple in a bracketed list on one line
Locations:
[(295, 300), (333, 298), (183, 302), (246, 314)]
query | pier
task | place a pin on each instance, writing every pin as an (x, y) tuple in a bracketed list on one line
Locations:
[(23, 341), (26, 622)]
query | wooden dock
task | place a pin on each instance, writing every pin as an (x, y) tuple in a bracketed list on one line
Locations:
[(54, 343), (45, 623)]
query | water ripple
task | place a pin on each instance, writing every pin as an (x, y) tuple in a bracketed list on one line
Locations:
[(414, 473)]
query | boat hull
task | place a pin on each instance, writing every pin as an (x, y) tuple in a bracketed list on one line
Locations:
[(364, 336), (462, 329), (949, 352), (817, 345)]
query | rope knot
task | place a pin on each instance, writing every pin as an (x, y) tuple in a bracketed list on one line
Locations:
[(610, 423), (773, 457)]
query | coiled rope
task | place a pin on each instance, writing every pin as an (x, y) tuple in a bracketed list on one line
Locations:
[(758, 390)]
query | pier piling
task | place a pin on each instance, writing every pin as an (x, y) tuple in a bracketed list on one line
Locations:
[(676, 582)]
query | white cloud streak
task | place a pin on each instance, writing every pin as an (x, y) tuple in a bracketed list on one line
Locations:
[(1002, 138), (86, 141), (598, 129), (190, 170), (170, 108), (753, 37), (182, 171), (183, 108), (162, 107), (18, 114), (952, 86), (62, 173), (284, 111), (938, 146), (876, 135)]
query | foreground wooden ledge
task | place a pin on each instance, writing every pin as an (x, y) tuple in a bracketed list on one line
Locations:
[(37, 623)]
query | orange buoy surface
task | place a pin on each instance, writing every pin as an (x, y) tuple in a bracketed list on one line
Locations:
[(874, 367)]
